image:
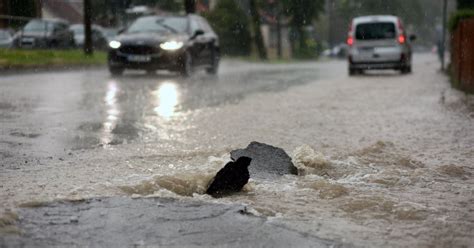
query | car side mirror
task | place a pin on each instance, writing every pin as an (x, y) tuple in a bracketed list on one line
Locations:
[(197, 33), (412, 37), (121, 30)]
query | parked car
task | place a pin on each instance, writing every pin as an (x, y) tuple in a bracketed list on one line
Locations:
[(110, 33), (378, 42), (6, 38), (45, 33), (338, 51), (177, 43), (99, 41)]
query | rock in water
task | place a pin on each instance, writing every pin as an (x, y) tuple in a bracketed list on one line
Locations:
[(267, 161), (231, 178)]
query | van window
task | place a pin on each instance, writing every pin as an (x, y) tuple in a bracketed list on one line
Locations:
[(375, 31)]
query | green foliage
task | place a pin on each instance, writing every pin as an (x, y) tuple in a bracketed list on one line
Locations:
[(409, 11), (310, 50), (458, 16), (24, 8), (465, 4), (232, 25), (302, 12)]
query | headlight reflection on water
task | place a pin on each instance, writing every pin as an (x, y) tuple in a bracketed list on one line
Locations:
[(112, 111), (167, 98)]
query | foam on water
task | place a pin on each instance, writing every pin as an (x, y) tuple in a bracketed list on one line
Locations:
[(183, 183)]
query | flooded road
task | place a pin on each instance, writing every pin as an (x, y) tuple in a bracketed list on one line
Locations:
[(384, 159)]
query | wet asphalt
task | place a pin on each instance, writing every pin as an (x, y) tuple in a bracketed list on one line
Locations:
[(62, 111), (157, 222), (54, 114), (398, 150)]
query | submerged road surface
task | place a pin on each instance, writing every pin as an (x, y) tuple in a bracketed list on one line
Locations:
[(384, 159)]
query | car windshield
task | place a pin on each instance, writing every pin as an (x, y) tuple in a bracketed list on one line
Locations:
[(159, 24), (38, 25), (375, 31)]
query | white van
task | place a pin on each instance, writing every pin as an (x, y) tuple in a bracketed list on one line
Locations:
[(378, 42)]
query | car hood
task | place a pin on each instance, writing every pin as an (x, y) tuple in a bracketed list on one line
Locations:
[(149, 38)]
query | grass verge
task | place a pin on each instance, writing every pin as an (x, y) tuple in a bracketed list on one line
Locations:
[(19, 59)]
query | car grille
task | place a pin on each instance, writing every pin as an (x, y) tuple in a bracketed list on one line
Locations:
[(138, 49)]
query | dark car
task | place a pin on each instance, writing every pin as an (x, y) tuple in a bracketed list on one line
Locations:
[(45, 33), (99, 40), (176, 43)]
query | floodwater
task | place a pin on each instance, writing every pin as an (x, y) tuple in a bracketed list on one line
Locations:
[(384, 159)]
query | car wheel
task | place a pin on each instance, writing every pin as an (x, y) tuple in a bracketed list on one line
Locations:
[(116, 71), (352, 72), (186, 65), (406, 69), (214, 63)]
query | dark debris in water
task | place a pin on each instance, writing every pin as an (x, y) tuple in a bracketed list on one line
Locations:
[(232, 178)]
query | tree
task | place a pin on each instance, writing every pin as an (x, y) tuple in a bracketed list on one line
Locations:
[(88, 47), (190, 6), (411, 12), (301, 13), (231, 24), (262, 52), (465, 4)]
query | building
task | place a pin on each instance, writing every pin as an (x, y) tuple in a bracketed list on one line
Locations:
[(69, 10)]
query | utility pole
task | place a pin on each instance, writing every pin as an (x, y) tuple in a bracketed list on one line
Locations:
[(88, 47), (276, 11), (279, 46), (443, 35), (330, 23)]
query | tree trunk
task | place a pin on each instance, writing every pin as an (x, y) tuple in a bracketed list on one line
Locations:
[(279, 46), (88, 47), (262, 52), (190, 6)]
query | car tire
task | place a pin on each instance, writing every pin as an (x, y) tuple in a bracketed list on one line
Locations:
[(214, 63), (186, 65), (406, 69), (116, 71), (352, 72)]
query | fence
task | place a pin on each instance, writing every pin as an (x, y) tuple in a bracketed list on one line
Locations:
[(462, 55)]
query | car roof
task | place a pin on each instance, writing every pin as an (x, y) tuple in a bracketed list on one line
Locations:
[(375, 18)]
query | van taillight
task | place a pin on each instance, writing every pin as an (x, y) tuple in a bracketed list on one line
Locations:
[(350, 41), (401, 39)]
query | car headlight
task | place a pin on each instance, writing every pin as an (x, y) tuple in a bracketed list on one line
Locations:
[(114, 44), (171, 45)]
